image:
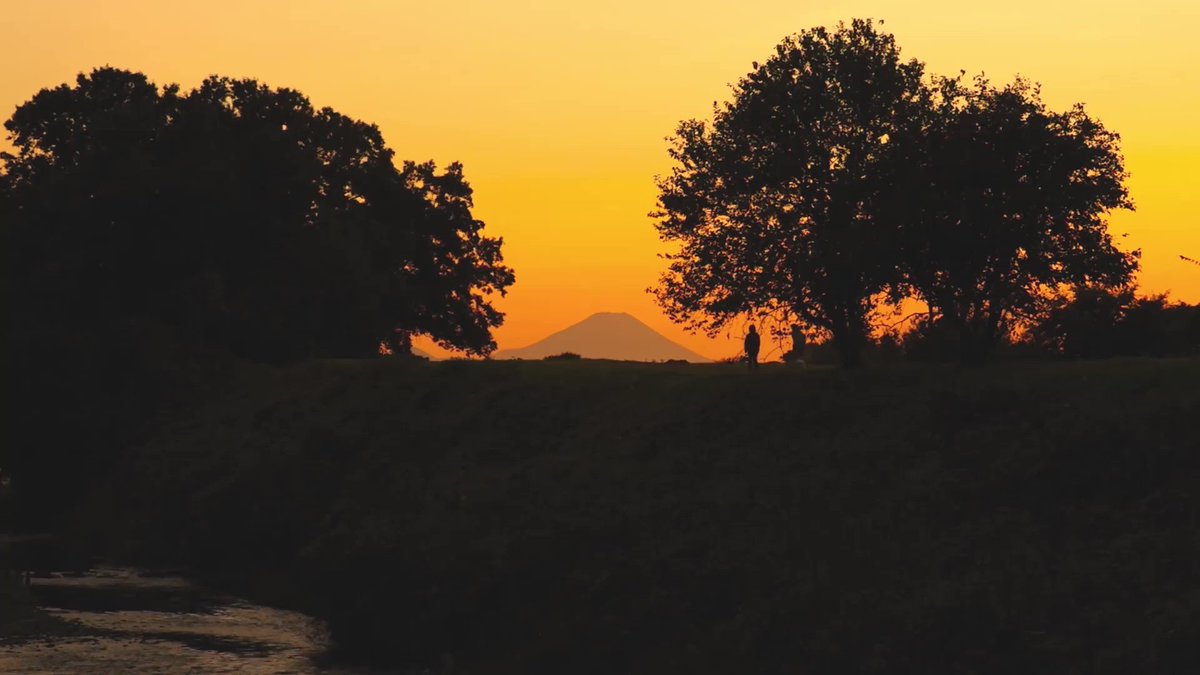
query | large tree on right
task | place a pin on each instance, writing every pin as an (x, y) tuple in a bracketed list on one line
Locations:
[(1002, 203), (839, 176), (776, 207)]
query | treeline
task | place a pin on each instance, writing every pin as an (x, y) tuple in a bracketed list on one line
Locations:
[(1098, 323), (150, 234), (239, 214), (1090, 323), (841, 179)]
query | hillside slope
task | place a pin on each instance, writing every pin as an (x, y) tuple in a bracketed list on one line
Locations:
[(584, 517)]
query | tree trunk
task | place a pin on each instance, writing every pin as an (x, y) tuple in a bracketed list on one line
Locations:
[(849, 342), (977, 342)]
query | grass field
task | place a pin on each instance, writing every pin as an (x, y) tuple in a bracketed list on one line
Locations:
[(597, 517)]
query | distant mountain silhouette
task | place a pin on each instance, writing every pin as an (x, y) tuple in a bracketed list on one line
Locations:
[(606, 335)]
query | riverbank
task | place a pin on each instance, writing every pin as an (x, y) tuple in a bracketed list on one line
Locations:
[(20, 616), (604, 517), (22, 619), (119, 620)]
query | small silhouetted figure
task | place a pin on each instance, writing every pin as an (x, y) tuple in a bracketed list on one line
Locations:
[(796, 355), (751, 343)]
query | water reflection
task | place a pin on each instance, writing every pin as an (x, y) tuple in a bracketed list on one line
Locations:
[(140, 624)]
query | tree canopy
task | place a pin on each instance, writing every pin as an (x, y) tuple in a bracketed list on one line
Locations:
[(148, 235), (841, 177), (1002, 204), (240, 214), (775, 206)]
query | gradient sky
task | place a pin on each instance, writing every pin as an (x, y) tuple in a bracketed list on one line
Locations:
[(558, 110)]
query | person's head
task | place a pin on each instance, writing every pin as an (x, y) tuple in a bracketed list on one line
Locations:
[(752, 329)]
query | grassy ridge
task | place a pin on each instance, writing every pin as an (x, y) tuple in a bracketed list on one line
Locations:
[(604, 517)]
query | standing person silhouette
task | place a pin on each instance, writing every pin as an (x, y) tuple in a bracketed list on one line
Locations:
[(798, 342), (751, 344)]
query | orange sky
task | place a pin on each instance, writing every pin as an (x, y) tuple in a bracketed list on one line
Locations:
[(558, 110)]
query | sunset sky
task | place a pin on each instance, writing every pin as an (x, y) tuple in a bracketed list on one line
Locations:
[(558, 110)]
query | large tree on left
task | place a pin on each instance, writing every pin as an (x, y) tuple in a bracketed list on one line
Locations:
[(146, 232), (241, 215)]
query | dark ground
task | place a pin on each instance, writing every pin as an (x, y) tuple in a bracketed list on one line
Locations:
[(551, 517)]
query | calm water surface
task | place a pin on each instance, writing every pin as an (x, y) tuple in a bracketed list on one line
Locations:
[(140, 624)]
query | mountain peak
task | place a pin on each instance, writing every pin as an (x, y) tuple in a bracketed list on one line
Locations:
[(611, 317), (606, 335)]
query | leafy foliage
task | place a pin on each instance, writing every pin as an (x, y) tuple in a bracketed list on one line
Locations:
[(776, 205), (145, 233), (1004, 201), (840, 177), (240, 214), (1095, 322)]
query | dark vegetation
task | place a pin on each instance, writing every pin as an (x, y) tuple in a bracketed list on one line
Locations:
[(603, 517), (565, 356), (841, 177), (1089, 323), (240, 215), (150, 237), (1095, 323)]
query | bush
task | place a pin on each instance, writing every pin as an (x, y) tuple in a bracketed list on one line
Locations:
[(1099, 323)]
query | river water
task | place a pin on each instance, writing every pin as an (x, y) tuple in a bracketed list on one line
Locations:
[(130, 622)]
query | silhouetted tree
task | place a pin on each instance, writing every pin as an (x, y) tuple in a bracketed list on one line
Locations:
[(1002, 202), (1095, 322), (143, 229), (243, 214), (1083, 324), (776, 205)]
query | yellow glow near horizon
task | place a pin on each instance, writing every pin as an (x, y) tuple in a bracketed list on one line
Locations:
[(559, 111)]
